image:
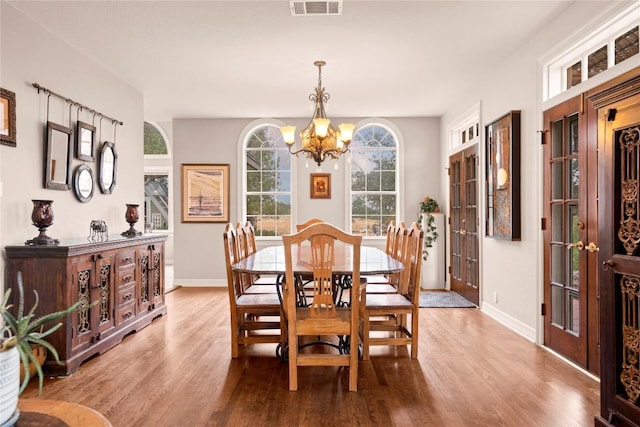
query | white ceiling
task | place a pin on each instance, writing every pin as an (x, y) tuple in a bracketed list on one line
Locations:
[(251, 59)]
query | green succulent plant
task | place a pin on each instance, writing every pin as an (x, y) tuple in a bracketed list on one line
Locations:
[(24, 329)]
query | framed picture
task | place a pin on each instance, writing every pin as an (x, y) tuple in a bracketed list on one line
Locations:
[(503, 177), (320, 186), (7, 117), (85, 136), (205, 193)]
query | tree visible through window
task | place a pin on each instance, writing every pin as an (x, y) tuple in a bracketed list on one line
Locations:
[(268, 180), (374, 189), (154, 143)]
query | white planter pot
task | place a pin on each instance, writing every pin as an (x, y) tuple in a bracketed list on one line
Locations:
[(433, 274), (9, 383)]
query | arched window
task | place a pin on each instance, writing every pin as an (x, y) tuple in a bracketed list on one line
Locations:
[(267, 181), (374, 180), (157, 175)]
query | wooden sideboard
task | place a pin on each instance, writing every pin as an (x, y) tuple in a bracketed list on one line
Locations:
[(120, 283)]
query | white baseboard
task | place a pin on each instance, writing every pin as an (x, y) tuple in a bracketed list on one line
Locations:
[(508, 321), (200, 283)]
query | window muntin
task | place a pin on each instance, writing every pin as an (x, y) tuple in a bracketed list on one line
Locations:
[(268, 181), (373, 180)]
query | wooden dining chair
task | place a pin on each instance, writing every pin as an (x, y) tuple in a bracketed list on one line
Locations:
[(255, 318), (323, 317), (384, 316), (247, 246), (300, 227), (388, 284)]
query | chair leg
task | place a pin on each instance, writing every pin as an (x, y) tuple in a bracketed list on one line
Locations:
[(353, 360), (365, 336), (414, 334), (293, 359), (234, 336)]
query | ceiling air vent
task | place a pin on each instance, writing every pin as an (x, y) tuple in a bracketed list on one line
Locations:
[(306, 8)]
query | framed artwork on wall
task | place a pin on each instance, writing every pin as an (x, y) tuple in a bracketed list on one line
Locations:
[(7, 117), (320, 186), (503, 177), (205, 193)]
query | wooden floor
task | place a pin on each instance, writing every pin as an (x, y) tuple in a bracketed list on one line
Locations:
[(471, 371)]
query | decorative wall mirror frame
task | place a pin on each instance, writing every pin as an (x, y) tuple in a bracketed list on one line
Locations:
[(108, 166), (57, 158), (83, 183), (85, 137)]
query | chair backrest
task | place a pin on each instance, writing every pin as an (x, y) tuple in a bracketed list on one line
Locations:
[(246, 239), (399, 241), (300, 227), (391, 237), (231, 257), (322, 237), (415, 240)]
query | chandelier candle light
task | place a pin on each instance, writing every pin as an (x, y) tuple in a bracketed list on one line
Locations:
[(320, 140)]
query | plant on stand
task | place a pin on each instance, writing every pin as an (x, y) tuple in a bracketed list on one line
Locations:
[(18, 333), (427, 207)]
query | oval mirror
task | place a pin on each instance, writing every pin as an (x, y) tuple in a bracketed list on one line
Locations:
[(108, 163), (83, 183)]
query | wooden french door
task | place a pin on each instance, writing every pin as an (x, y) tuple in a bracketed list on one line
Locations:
[(570, 229), (618, 124), (463, 221)]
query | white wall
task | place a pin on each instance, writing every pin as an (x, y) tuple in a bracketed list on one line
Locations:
[(199, 256), (513, 270), (30, 54)]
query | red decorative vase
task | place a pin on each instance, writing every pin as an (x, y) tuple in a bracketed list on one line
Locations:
[(132, 216), (42, 218)]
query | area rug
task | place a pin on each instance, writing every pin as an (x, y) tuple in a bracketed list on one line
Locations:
[(444, 299)]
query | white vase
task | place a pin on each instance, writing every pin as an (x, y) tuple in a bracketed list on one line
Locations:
[(9, 383), (433, 275)]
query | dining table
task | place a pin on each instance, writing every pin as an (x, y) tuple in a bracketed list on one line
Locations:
[(270, 261)]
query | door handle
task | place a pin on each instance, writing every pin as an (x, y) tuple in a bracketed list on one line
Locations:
[(591, 247), (463, 232), (607, 264), (579, 245)]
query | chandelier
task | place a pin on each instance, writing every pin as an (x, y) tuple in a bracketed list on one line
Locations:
[(319, 139)]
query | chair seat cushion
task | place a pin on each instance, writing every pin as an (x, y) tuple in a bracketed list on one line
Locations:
[(258, 300), (388, 300), (380, 288)]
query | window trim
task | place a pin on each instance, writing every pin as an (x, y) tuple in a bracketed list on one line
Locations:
[(619, 19), (400, 188), (242, 173)]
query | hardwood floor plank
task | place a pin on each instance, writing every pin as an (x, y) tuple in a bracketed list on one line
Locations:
[(471, 371)]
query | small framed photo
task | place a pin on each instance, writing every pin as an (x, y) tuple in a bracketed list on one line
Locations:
[(320, 186), (7, 117), (205, 193), (85, 136)]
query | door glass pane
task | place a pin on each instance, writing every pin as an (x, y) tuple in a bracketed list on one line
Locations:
[(573, 179), (573, 261), (574, 74), (557, 307), (557, 216), (156, 189), (572, 134), (557, 183), (557, 263), (597, 61), (557, 147), (573, 312), (626, 45)]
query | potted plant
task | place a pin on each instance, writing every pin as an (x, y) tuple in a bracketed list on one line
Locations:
[(17, 334), (427, 207)]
